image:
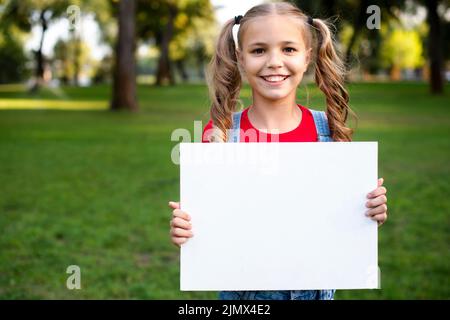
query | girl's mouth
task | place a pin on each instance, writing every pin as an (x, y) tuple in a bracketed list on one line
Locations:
[(274, 79)]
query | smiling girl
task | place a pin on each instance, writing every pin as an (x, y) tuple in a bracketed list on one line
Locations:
[(276, 43)]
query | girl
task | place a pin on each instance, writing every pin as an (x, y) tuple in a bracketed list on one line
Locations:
[(275, 44)]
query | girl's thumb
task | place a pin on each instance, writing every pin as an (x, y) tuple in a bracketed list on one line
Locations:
[(174, 205), (380, 182)]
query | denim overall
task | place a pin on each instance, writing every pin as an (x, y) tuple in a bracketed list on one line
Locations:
[(323, 134)]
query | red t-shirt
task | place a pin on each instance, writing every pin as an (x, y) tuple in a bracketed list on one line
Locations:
[(305, 131)]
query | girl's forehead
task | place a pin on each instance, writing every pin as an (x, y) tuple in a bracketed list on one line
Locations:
[(273, 29)]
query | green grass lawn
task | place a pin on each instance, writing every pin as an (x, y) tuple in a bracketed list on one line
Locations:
[(88, 187)]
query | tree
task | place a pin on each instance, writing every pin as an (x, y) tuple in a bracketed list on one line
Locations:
[(67, 55), (434, 47), (354, 14), (351, 15), (358, 21), (124, 83), (26, 14), (193, 45), (160, 20), (12, 58), (402, 49)]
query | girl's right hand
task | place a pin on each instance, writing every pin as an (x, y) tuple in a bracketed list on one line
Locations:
[(180, 225)]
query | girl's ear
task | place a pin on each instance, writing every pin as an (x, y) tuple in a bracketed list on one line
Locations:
[(239, 57), (308, 56)]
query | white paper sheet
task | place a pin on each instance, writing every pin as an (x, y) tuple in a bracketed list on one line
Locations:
[(278, 216)]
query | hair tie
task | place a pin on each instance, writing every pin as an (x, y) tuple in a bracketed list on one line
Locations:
[(237, 19), (310, 21)]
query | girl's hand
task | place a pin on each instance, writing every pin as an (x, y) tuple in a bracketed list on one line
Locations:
[(180, 226), (377, 204)]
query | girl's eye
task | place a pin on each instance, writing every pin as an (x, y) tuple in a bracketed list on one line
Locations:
[(258, 51)]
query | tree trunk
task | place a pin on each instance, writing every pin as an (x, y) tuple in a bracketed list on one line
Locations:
[(200, 58), (39, 72), (182, 70), (358, 25), (434, 48), (76, 59), (164, 72), (124, 84)]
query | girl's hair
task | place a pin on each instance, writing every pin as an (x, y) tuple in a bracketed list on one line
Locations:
[(224, 78)]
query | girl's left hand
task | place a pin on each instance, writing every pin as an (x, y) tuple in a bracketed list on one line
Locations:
[(377, 204)]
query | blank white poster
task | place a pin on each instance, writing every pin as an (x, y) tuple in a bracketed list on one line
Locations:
[(278, 216)]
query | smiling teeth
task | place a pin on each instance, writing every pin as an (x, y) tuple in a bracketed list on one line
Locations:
[(274, 78)]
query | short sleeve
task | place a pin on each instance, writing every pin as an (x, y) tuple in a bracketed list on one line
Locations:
[(207, 131)]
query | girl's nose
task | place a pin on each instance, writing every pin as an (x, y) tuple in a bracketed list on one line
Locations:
[(274, 61)]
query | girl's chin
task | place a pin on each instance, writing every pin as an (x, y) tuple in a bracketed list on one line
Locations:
[(274, 96), (285, 85)]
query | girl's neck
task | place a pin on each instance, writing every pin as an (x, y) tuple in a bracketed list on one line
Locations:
[(279, 116)]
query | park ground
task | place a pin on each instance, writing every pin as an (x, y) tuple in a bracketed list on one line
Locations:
[(84, 186)]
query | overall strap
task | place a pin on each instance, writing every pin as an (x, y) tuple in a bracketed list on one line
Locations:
[(235, 132), (321, 122)]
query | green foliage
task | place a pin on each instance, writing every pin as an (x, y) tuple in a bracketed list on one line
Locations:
[(91, 188), (194, 26), (66, 52), (403, 49), (27, 13), (197, 38), (12, 59)]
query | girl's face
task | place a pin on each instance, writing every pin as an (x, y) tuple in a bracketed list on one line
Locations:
[(273, 56)]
